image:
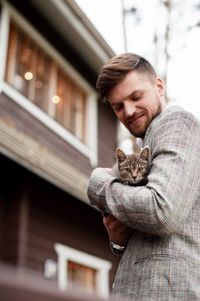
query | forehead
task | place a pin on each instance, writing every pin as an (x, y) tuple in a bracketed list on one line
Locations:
[(133, 81)]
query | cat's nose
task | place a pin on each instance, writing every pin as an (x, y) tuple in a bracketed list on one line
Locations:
[(134, 174)]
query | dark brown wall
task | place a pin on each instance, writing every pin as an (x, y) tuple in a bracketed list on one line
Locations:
[(11, 191), (35, 214), (55, 216), (39, 215), (2, 202), (107, 133)]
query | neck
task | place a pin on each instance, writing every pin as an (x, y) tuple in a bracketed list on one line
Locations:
[(163, 103)]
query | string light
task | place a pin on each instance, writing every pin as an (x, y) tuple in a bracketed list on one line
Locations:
[(28, 75), (55, 99)]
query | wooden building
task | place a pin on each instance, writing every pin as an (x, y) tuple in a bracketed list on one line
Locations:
[(53, 132)]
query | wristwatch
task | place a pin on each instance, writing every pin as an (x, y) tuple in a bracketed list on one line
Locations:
[(116, 249)]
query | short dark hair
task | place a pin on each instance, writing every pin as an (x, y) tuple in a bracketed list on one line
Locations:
[(116, 69)]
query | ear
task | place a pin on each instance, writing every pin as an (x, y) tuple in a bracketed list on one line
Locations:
[(160, 86), (120, 155), (145, 153)]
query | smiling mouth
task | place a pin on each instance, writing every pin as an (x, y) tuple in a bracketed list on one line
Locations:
[(135, 120)]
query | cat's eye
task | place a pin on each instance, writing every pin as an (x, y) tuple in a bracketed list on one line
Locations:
[(127, 169), (140, 169)]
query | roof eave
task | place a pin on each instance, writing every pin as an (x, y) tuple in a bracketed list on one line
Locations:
[(73, 25)]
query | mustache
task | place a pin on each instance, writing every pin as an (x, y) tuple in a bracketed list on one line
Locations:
[(133, 117)]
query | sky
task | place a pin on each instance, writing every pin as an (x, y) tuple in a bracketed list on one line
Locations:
[(184, 48)]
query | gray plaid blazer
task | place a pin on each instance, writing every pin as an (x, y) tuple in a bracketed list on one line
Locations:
[(162, 258)]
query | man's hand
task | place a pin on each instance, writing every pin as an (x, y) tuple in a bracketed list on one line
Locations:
[(118, 232)]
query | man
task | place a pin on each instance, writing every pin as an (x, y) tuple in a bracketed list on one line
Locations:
[(155, 227)]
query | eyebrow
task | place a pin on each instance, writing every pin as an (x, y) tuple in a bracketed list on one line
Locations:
[(135, 92), (132, 94)]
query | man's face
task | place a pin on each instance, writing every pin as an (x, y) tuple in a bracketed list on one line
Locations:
[(136, 101)]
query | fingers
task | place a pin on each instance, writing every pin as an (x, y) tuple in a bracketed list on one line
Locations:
[(118, 232), (112, 224)]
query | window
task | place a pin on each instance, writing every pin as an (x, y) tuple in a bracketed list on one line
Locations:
[(36, 76), (71, 107), (82, 271), (81, 276), (40, 79)]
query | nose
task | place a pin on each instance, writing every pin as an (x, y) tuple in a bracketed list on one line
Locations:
[(134, 175), (129, 108)]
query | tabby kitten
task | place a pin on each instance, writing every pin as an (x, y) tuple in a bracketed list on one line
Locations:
[(132, 169)]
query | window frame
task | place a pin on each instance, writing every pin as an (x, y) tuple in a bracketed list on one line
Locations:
[(88, 149), (102, 267)]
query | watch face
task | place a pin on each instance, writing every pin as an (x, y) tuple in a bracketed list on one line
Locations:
[(117, 249)]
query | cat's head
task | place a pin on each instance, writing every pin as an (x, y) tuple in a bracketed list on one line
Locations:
[(133, 168)]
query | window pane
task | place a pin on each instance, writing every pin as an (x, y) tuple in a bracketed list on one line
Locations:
[(19, 58), (71, 109), (39, 78), (28, 68), (81, 277), (79, 114), (42, 80), (64, 91)]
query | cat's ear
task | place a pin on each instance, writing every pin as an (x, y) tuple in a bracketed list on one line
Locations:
[(145, 153), (120, 155)]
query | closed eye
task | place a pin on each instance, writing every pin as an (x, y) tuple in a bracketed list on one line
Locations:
[(117, 107), (136, 98), (137, 95)]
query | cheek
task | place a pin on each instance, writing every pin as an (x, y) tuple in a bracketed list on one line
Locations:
[(155, 108)]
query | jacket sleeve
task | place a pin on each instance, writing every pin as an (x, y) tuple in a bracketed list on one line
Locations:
[(162, 206)]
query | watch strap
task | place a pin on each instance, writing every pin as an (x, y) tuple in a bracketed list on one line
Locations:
[(117, 249)]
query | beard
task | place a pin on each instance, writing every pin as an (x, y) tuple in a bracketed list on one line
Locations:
[(140, 130)]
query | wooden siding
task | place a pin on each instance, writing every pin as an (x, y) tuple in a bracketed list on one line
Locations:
[(12, 184), (35, 214), (41, 215), (27, 124), (69, 222), (107, 134), (2, 213), (17, 117), (23, 287)]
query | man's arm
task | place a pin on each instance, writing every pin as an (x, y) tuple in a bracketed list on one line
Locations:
[(162, 206)]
